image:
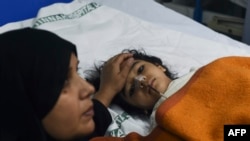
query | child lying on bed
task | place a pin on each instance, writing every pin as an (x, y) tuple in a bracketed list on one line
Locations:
[(215, 95), (137, 99)]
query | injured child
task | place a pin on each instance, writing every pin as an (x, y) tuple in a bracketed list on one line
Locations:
[(195, 106)]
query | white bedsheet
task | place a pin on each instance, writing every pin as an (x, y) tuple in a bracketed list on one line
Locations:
[(153, 12), (100, 32)]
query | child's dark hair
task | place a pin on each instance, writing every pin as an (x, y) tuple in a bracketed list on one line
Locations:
[(94, 78)]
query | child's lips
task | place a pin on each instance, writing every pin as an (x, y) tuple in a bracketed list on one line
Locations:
[(151, 82), (151, 87)]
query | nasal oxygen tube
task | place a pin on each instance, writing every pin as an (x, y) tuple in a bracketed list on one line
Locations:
[(140, 82)]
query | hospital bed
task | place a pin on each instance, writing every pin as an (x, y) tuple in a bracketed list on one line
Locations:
[(103, 28)]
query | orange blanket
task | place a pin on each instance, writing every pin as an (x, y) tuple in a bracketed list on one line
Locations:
[(217, 94)]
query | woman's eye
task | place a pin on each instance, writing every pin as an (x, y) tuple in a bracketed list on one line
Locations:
[(140, 69)]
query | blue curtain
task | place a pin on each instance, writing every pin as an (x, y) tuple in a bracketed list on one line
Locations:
[(198, 11), (17, 10)]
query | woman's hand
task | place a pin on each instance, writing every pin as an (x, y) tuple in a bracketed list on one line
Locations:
[(113, 77)]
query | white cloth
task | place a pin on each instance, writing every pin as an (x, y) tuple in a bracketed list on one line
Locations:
[(123, 123), (173, 87)]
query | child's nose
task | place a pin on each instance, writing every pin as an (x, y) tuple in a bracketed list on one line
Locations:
[(140, 81)]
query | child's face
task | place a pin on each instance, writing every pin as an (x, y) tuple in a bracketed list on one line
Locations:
[(144, 97)]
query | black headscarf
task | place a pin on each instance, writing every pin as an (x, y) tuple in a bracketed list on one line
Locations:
[(33, 68)]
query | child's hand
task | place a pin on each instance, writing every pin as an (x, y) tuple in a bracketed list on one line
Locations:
[(113, 77)]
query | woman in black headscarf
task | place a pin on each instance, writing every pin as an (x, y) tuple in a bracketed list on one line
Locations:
[(42, 97)]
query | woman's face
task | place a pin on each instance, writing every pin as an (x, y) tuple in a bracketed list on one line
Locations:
[(141, 96), (72, 114)]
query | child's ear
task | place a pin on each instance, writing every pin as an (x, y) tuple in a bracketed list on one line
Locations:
[(160, 67)]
